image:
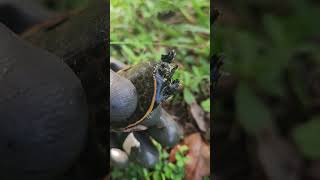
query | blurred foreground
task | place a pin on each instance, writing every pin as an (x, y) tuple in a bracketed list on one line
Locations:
[(267, 121)]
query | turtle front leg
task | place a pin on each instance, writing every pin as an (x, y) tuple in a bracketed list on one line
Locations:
[(171, 89)]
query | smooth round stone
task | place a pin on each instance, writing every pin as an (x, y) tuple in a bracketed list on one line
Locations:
[(118, 157)]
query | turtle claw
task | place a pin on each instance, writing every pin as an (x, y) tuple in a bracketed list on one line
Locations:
[(172, 88), (169, 90), (169, 57)]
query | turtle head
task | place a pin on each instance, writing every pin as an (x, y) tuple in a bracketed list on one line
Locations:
[(164, 72)]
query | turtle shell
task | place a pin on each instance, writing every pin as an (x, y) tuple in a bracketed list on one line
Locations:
[(153, 82)]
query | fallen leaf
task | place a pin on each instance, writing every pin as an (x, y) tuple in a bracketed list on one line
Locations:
[(305, 137), (278, 157), (173, 152), (314, 170), (107, 177), (198, 115), (247, 101), (198, 164)]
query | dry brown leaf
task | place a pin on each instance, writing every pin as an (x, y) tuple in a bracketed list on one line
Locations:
[(107, 177), (314, 170), (278, 157), (198, 115), (198, 164), (173, 152)]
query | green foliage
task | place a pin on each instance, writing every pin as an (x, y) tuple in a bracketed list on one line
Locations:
[(251, 111), (143, 30), (163, 169), (263, 56), (306, 136), (188, 96), (206, 105)]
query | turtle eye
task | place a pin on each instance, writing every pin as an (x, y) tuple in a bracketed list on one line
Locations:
[(164, 70), (163, 66)]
